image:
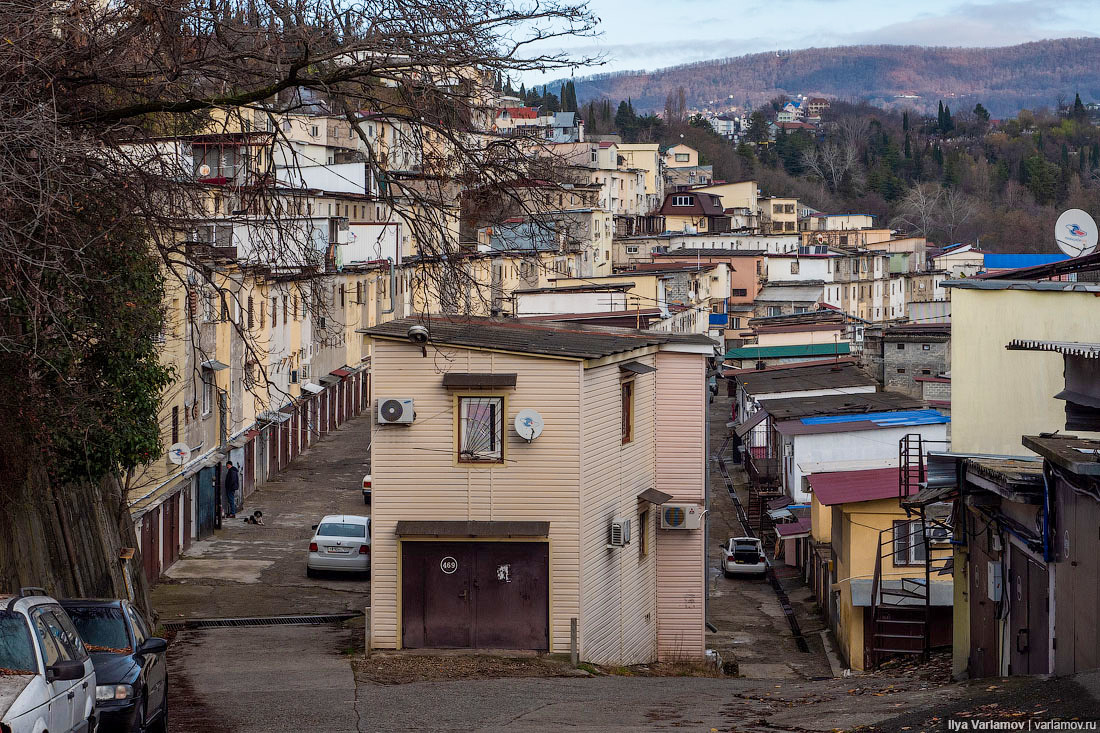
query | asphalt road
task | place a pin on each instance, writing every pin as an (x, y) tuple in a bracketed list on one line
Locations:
[(262, 679)]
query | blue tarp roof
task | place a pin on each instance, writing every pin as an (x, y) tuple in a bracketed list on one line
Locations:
[(1015, 261), (900, 418)]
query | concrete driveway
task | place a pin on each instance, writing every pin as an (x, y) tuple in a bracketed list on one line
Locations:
[(247, 570)]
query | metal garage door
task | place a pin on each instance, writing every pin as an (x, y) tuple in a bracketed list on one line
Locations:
[(475, 594)]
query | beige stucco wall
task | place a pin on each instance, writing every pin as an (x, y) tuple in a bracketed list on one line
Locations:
[(999, 395), (415, 475)]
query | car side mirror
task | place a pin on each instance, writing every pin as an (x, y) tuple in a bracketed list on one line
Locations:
[(153, 645), (66, 670)]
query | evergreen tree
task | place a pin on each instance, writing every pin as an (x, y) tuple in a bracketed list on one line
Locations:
[(1065, 155), (948, 123), (1079, 113), (1094, 159), (908, 147), (939, 118), (905, 123), (981, 112), (523, 91)]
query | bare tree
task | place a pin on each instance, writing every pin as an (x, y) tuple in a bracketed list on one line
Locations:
[(105, 113), (919, 211), (954, 211), (830, 162)]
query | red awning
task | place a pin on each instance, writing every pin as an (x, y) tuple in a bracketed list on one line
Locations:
[(794, 530), (340, 372)]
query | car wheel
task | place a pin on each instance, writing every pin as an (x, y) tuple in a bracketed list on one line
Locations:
[(310, 572), (727, 573)]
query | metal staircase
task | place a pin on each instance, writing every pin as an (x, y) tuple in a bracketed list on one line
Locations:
[(901, 604)]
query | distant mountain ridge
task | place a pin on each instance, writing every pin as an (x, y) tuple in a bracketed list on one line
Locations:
[(1004, 79)]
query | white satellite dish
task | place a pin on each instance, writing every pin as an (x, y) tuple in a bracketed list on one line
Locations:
[(529, 424), (179, 454), (1075, 233), (204, 170)]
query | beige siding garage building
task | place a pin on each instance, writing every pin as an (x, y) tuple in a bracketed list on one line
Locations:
[(489, 535)]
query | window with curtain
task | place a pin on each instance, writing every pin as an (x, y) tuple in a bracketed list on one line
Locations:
[(481, 429)]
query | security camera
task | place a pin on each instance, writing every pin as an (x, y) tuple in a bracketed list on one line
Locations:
[(418, 334)]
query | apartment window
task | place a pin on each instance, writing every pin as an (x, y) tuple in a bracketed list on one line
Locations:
[(643, 533), (908, 547), (286, 309), (295, 311), (175, 424), (794, 267), (735, 323), (207, 391), (926, 372), (681, 200), (274, 312), (844, 239), (901, 347), (683, 157), (342, 303), (251, 313), (314, 131), (774, 310), (739, 292), (777, 208), (901, 370), (925, 347), (632, 249), (481, 429), (359, 292), (628, 411)]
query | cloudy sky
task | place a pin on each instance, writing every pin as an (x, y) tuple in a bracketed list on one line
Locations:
[(651, 34)]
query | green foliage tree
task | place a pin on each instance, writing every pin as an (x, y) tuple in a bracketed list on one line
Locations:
[(758, 127), (981, 112)]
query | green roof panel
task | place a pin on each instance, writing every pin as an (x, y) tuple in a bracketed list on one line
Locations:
[(783, 352)]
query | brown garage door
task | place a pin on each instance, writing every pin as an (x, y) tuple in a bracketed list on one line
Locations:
[(475, 594)]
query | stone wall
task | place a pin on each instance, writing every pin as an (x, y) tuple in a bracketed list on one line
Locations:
[(904, 360)]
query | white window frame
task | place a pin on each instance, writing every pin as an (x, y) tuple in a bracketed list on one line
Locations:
[(682, 201)]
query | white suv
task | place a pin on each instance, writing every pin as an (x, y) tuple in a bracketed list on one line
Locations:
[(47, 681)]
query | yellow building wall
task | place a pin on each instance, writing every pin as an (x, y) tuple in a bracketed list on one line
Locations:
[(735, 195), (999, 395)]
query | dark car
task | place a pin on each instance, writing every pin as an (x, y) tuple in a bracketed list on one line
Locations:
[(131, 677)]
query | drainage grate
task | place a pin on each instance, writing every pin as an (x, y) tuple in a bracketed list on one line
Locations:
[(221, 623)]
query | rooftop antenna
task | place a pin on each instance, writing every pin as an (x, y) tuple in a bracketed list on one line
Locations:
[(1075, 232)]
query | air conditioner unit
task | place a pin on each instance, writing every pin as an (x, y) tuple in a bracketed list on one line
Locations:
[(293, 376), (681, 516), (303, 371), (395, 411), (618, 533), (939, 535)]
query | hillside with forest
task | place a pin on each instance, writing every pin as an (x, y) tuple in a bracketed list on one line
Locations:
[(1004, 79), (953, 176)]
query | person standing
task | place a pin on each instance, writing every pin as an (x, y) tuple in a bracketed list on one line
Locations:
[(232, 485)]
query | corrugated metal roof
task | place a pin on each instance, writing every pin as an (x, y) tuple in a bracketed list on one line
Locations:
[(843, 487), (903, 418), (1013, 261), (792, 294), (794, 530), (801, 377), (1067, 348)]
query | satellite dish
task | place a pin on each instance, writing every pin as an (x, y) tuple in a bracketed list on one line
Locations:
[(204, 170), (529, 424), (179, 454), (1075, 233)]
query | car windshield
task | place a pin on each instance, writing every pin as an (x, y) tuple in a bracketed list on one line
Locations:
[(338, 529), (101, 627), (16, 653)]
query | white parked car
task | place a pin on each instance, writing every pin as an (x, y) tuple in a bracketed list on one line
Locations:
[(47, 681), (744, 556), (341, 542)]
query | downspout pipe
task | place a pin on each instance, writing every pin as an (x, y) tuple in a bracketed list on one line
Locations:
[(1047, 550), (393, 287)]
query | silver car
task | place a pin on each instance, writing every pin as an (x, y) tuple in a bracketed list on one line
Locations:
[(341, 543)]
